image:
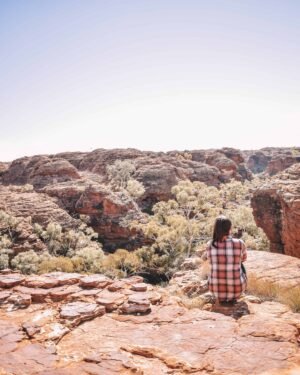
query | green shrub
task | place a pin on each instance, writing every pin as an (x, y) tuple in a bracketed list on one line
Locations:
[(88, 259), (26, 262), (121, 263), (4, 260)]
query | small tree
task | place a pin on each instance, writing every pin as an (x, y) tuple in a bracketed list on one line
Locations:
[(135, 189), (179, 225), (8, 224), (120, 173)]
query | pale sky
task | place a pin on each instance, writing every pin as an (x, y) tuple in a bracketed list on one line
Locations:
[(149, 74)]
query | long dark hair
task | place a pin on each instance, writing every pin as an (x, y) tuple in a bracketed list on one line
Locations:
[(221, 229)]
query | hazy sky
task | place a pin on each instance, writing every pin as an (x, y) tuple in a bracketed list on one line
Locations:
[(155, 74)]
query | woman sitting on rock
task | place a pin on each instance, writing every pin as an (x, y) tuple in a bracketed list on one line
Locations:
[(227, 281)]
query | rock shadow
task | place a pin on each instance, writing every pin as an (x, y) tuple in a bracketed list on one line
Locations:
[(235, 311)]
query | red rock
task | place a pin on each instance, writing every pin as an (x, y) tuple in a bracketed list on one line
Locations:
[(272, 160), (73, 183), (95, 281), (280, 163), (63, 278), (110, 300), (164, 340), (4, 294), (37, 294), (39, 171), (10, 336), (10, 280), (20, 300), (153, 297), (279, 269), (28, 359), (134, 279), (137, 303), (77, 312), (40, 207), (117, 285), (139, 287), (63, 293), (85, 295), (31, 329), (40, 282), (276, 209)]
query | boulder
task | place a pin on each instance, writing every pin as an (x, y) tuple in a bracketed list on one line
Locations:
[(11, 280), (41, 208), (276, 209), (78, 312), (39, 171)]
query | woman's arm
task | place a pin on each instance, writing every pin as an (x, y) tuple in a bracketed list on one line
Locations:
[(244, 251), (208, 250)]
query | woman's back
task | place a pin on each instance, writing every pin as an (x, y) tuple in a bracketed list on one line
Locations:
[(227, 281)]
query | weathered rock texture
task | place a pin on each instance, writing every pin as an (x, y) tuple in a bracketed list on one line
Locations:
[(74, 324), (272, 160), (77, 183), (279, 269), (276, 208), (40, 207)]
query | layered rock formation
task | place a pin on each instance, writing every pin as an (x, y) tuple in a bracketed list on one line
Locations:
[(272, 160), (276, 209), (77, 184), (69, 323), (41, 208)]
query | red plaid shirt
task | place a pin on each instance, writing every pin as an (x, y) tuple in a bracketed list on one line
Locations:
[(227, 281)]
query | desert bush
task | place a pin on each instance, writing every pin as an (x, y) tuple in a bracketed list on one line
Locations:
[(27, 188), (264, 289), (28, 262), (88, 259), (157, 264), (192, 303), (53, 236), (5, 242), (184, 156), (180, 225), (4, 260), (269, 291), (8, 223), (135, 188), (122, 263), (234, 192), (120, 173), (291, 297), (67, 243), (243, 220), (62, 264)]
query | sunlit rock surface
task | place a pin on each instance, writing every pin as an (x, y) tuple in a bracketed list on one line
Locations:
[(104, 326)]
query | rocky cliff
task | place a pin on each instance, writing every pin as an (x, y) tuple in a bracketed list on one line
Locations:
[(67, 185), (276, 208)]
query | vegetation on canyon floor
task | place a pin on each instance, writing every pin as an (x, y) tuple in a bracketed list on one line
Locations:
[(175, 230)]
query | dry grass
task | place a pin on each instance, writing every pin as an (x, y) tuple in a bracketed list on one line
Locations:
[(192, 303), (268, 291), (61, 264), (291, 297)]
